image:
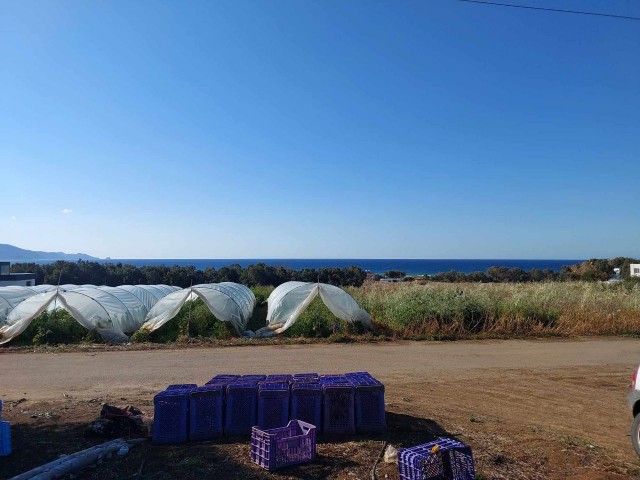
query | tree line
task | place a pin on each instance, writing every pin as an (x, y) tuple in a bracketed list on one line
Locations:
[(114, 274), (595, 269)]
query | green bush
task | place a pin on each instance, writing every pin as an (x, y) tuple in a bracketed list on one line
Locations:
[(194, 320), (53, 328), (315, 322)]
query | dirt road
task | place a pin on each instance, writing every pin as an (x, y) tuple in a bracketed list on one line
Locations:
[(530, 409)]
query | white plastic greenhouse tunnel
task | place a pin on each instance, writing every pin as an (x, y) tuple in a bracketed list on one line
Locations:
[(113, 312), (228, 302), (287, 302), (12, 296)]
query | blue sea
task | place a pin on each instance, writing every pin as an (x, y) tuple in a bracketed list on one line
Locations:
[(375, 265)]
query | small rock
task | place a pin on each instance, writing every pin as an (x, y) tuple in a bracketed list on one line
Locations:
[(390, 454)]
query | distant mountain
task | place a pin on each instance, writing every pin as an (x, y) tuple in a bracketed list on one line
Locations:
[(15, 254)]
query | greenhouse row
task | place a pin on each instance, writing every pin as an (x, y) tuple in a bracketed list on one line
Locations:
[(117, 312)]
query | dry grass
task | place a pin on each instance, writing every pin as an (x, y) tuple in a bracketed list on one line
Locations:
[(572, 308)]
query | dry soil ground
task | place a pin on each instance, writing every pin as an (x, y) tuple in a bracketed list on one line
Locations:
[(541, 409)]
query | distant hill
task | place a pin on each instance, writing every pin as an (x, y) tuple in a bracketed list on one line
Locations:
[(15, 254)]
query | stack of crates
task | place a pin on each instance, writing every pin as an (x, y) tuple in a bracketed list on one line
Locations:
[(442, 459), (232, 404), (369, 402), (241, 407), (273, 404), (252, 378), (306, 402), (305, 377), (279, 378), (5, 435), (171, 414), (338, 398), (206, 406), (223, 379)]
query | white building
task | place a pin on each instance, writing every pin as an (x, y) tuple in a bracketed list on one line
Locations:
[(21, 279), (635, 269)]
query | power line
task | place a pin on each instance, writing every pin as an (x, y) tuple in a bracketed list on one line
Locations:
[(624, 17)]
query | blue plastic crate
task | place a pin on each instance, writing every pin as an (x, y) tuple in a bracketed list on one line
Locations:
[(241, 408), (273, 405), (252, 378), (5, 439), (370, 413), (442, 459), (284, 446), (334, 378), (338, 412), (305, 376), (358, 374), (171, 416), (306, 403), (182, 386), (278, 378), (223, 378), (206, 407)]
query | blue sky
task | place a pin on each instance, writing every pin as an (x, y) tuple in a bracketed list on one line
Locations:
[(329, 129)]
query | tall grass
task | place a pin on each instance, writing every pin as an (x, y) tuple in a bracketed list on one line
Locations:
[(572, 308), (410, 310)]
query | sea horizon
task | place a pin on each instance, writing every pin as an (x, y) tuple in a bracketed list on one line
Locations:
[(411, 266)]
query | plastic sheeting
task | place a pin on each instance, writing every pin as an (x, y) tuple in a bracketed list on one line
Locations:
[(289, 300), (11, 296), (227, 301), (113, 312)]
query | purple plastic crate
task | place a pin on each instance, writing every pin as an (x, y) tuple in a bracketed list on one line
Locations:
[(273, 405), (241, 408), (206, 406), (171, 416), (338, 412), (284, 446), (453, 460), (306, 403), (5, 439), (182, 386)]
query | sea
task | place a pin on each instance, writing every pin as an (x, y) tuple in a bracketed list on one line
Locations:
[(374, 265)]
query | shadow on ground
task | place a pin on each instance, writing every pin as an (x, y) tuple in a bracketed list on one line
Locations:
[(337, 457)]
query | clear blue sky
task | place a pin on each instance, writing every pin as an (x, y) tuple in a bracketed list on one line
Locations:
[(329, 129)]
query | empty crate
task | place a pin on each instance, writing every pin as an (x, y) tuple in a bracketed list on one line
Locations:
[(306, 403), (5, 438), (171, 416), (206, 408), (278, 378), (182, 386), (305, 376), (273, 405), (223, 378), (338, 414), (241, 408), (252, 378), (280, 447), (442, 459), (369, 404)]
